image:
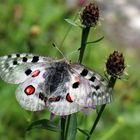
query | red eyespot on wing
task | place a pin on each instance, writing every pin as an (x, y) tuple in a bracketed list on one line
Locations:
[(35, 73), (29, 90), (68, 98)]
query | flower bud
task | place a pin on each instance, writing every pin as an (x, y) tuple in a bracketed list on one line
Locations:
[(90, 15), (115, 64)]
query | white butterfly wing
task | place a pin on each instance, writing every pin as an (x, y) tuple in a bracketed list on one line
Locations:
[(93, 88), (80, 91), (60, 102), (31, 94), (72, 87), (63, 107), (16, 68)]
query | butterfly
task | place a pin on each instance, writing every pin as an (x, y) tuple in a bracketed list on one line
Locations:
[(62, 87)]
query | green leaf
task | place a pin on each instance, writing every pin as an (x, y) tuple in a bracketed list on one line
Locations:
[(43, 124), (85, 132), (71, 22), (96, 40), (71, 127)]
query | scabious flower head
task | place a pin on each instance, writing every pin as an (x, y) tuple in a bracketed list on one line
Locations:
[(115, 64), (90, 15)]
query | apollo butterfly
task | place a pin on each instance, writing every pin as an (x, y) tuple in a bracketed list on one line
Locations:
[(60, 86)]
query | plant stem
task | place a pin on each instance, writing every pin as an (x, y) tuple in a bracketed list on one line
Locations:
[(63, 124), (67, 127), (111, 84), (85, 33), (98, 40)]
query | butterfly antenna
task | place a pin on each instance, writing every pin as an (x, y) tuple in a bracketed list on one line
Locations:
[(54, 45)]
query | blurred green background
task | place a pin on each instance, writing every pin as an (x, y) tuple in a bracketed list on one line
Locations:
[(32, 26)]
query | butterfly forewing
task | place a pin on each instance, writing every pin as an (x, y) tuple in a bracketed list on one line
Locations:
[(31, 94), (16, 68)]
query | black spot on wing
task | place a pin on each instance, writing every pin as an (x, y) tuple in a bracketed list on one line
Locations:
[(18, 55), (35, 59), (84, 72), (41, 96), (24, 59), (9, 56), (15, 62), (92, 78), (97, 87), (75, 85), (28, 72)]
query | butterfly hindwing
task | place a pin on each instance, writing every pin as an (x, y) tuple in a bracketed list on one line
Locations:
[(63, 107), (62, 104), (16, 68), (100, 93)]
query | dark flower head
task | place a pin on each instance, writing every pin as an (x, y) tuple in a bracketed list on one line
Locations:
[(90, 15), (115, 64)]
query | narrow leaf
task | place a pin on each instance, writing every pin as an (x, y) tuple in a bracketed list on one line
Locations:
[(85, 132), (71, 22), (72, 127), (96, 40), (43, 124)]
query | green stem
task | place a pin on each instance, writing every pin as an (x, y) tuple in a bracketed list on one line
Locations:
[(67, 127), (111, 84), (63, 123), (98, 40), (85, 33)]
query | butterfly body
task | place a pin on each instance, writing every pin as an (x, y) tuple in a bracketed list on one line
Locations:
[(62, 87)]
